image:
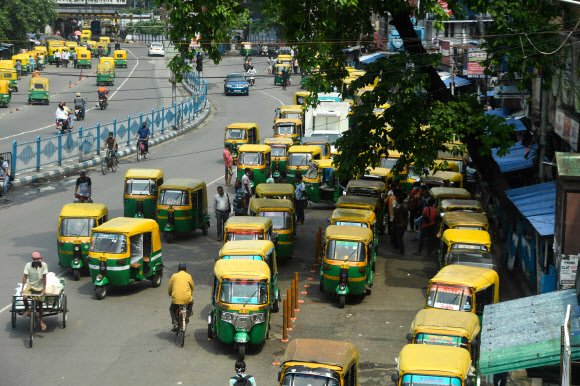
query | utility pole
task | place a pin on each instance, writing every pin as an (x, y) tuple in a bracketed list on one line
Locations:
[(543, 118)]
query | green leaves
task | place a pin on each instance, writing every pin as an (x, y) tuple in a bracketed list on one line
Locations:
[(17, 17)]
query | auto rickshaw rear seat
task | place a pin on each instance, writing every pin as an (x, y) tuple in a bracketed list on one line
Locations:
[(136, 265)]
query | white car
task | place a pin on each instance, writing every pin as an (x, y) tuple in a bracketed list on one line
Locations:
[(156, 49)]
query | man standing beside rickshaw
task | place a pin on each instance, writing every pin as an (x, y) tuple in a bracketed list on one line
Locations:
[(228, 163), (247, 188), (181, 291), (301, 199), (35, 275), (222, 210)]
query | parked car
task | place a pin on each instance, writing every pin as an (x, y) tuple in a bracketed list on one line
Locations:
[(156, 49), (235, 83)]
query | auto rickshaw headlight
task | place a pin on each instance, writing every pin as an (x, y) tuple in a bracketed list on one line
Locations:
[(227, 317), (342, 286), (259, 317), (99, 278)]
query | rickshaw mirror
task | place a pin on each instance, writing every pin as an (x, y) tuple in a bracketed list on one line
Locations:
[(474, 342), (409, 337), (395, 377), (468, 382)]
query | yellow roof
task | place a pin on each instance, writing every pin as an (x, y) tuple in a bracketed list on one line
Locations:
[(424, 359), (320, 351), (357, 202), (384, 172), (324, 163), (144, 173), (466, 236), (275, 190), (281, 121), (443, 174), (248, 222), (304, 149), (447, 204), (439, 192), (353, 215), (255, 148), (453, 219), (446, 321), (473, 277), (282, 65), (282, 57), (128, 226), (239, 125), (279, 140), (83, 210), (38, 80), (365, 184), (348, 232), (299, 108), (247, 247), (246, 43), (241, 269), (267, 204), (180, 183)]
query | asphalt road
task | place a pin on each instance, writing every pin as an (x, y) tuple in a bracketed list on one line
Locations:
[(126, 338)]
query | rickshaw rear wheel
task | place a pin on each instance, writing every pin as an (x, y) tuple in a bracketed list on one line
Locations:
[(209, 332), (76, 275), (64, 311), (204, 229), (31, 326), (241, 351), (13, 317), (101, 292), (157, 278), (341, 301), (276, 305), (169, 236)]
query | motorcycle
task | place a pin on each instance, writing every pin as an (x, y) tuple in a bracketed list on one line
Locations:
[(102, 103), (83, 199), (63, 125), (265, 51), (251, 79), (79, 113)]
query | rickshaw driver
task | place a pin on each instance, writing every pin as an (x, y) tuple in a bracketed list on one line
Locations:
[(35, 274), (79, 103), (103, 92), (111, 144), (83, 186), (181, 292)]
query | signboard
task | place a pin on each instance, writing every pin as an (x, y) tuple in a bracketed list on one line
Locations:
[(91, 2), (474, 60), (567, 128), (445, 52), (445, 7), (568, 270), (510, 92)]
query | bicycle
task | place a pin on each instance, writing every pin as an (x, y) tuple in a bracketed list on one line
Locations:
[(9, 190), (181, 323), (141, 153), (110, 162)]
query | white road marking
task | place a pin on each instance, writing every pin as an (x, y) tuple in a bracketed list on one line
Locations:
[(272, 96)]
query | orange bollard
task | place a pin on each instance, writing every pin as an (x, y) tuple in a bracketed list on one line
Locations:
[(81, 75), (288, 310), (292, 300), (285, 321), (296, 309)]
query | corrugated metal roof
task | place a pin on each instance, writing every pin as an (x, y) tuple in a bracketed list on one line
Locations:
[(538, 204), (525, 333), (515, 159)]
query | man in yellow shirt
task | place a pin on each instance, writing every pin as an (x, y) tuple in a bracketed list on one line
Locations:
[(181, 292)]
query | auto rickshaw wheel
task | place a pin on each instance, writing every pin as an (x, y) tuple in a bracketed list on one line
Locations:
[(29, 101), (31, 326), (157, 278), (204, 229), (64, 311), (76, 274), (101, 292), (241, 351), (276, 305), (209, 332), (169, 236), (13, 312), (341, 301)]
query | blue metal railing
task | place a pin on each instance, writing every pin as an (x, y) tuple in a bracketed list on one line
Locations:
[(84, 143)]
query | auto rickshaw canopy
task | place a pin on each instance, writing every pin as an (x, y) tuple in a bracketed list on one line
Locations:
[(84, 54), (357, 202), (23, 59), (448, 206), (472, 277), (91, 43), (120, 54), (37, 84), (459, 219), (288, 121), (445, 175), (348, 232), (105, 39), (434, 359), (104, 69), (83, 210), (278, 141), (440, 192), (129, 226), (446, 321), (383, 172), (248, 222), (4, 87), (107, 59), (280, 67), (324, 163), (255, 148), (377, 186), (321, 352), (353, 215), (241, 269), (467, 236), (247, 247), (153, 174), (314, 150), (244, 126), (267, 204), (266, 190)]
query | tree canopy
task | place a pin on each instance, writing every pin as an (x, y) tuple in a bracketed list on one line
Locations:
[(17, 17)]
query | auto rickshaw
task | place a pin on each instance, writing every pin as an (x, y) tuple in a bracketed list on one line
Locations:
[(379, 174), (289, 128), (85, 38), (141, 192), (92, 46), (249, 228), (322, 186), (51, 51), (319, 362), (238, 134), (284, 59), (5, 93), (423, 364), (461, 159), (368, 203), (389, 160), (463, 288), (349, 261), (44, 51), (374, 189), (278, 71), (446, 328), (276, 191), (466, 247), (79, 49), (10, 75), (120, 58), (299, 158), (182, 207), (289, 112), (71, 46), (124, 250), (84, 59), (470, 206), (105, 75), (105, 39), (246, 49), (24, 61), (318, 140), (108, 60), (258, 159), (104, 46), (74, 234), (442, 178), (464, 220), (86, 32), (38, 91), (359, 218), (300, 97), (444, 193), (281, 213), (279, 148), (243, 292)]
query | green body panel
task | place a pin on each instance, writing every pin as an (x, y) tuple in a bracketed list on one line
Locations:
[(105, 79), (285, 247), (84, 63), (66, 256), (354, 287), (95, 51), (245, 52), (5, 99), (120, 62), (313, 193), (25, 69), (122, 275), (38, 95), (50, 59), (278, 79), (226, 331), (149, 207), (192, 220), (13, 84), (281, 166), (259, 175)]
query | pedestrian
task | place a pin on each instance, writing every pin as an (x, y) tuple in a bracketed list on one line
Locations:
[(471, 180), (424, 194), (34, 283), (100, 52), (401, 216), (241, 378), (428, 221), (57, 58), (40, 61), (247, 188), (239, 199), (269, 179), (285, 76), (296, 66), (67, 58), (488, 108), (228, 163), (222, 210), (74, 58), (31, 63), (18, 67), (4, 177), (301, 199), (413, 204), (389, 204)]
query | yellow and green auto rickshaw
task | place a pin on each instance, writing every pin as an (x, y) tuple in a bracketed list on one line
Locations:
[(321, 183), (279, 148), (92, 46), (51, 51), (84, 59), (182, 207), (74, 234), (11, 76), (276, 191), (442, 178), (246, 49), (464, 220), (459, 205), (359, 218), (299, 159), (38, 91), (281, 213), (463, 288), (446, 328), (444, 193), (466, 247), (379, 174), (319, 362), (389, 160), (371, 189), (71, 46), (243, 292), (278, 72), (105, 75), (367, 203), (108, 60), (5, 93), (238, 134), (125, 250), (141, 192), (423, 364), (318, 140), (349, 261), (44, 51), (79, 49), (289, 112), (104, 46), (249, 228), (258, 159), (284, 59), (289, 128), (300, 97), (24, 61), (120, 58), (107, 40)]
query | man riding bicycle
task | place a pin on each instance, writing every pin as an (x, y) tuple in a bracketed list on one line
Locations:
[(79, 103), (104, 93), (83, 187), (111, 144), (143, 135), (181, 292)]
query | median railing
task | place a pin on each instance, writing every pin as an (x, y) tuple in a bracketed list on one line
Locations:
[(85, 143)]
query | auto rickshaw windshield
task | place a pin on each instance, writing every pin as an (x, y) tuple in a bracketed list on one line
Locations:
[(466, 257), (442, 340), (296, 378), (472, 247), (345, 250), (312, 172), (285, 130), (413, 175), (293, 115), (418, 379), (236, 134), (139, 187), (450, 297), (354, 224), (76, 227), (254, 159), (244, 235), (244, 292), (363, 192), (173, 197), (299, 159), (280, 220), (278, 151), (108, 243)]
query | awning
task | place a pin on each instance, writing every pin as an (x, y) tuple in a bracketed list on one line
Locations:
[(501, 112), (537, 203), (351, 49), (505, 113), (458, 81), (519, 124), (515, 159), (366, 59), (525, 333)]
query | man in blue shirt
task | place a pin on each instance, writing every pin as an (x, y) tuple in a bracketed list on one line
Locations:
[(301, 199), (143, 135)]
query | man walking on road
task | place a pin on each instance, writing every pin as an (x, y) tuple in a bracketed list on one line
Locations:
[(247, 189), (401, 216), (428, 226), (239, 199), (65, 57), (57, 58), (228, 163), (74, 58), (301, 199), (222, 210)]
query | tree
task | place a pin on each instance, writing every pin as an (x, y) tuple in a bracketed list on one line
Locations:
[(17, 17)]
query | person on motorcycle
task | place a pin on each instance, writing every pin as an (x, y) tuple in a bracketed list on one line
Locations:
[(103, 92), (143, 135), (251, 74), (181, 291), (111, 144), (62, 116), (80, 103), (68, 113), (83, 187)]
